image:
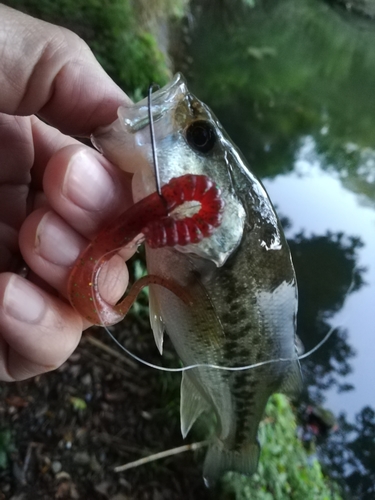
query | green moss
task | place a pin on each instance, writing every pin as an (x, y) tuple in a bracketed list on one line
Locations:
[(114, 31)]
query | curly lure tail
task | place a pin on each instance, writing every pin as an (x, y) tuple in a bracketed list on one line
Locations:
[(152, 218)]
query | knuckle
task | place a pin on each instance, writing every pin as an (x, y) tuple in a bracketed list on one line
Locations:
[(61, 52)]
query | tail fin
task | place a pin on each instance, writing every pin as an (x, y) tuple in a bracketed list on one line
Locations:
[(220, 460)]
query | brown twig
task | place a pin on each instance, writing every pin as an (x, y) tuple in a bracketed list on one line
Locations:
[(138, 389), (87, 352), (31, 446), (115, 440), (97, 343), (162, 454)]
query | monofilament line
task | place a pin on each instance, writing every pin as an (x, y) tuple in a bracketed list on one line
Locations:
[(229, 368), (221, 367)]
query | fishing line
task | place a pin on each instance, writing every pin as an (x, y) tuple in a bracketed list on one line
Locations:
[(220, 367), (228, 368)]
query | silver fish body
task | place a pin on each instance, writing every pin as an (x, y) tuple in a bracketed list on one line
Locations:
[(241, 278)]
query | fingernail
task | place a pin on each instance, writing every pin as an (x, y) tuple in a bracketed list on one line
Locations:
[(87, 183), (56, 242), (23, 302)]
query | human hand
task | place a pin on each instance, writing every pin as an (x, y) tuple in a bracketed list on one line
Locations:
[(54, 192)]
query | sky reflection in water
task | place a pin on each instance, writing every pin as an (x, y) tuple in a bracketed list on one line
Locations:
[(316, 201)]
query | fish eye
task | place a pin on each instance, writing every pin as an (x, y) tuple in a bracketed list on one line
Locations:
[(201, 136)]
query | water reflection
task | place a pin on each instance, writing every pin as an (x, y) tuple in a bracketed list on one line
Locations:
[(332, 236), (339, 231), (292, 82), (332, 240)]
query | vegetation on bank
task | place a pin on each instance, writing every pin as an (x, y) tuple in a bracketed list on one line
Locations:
[(320, 87), (122, 34)]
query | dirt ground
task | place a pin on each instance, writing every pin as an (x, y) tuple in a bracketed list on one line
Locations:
[(71, 427)]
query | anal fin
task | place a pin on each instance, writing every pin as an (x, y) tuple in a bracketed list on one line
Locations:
[(192, 404), (292, 384)]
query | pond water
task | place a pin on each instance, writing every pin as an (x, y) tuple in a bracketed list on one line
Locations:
[(317, 202), (293, 83)]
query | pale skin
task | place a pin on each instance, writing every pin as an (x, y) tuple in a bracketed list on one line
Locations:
[(55, 193)]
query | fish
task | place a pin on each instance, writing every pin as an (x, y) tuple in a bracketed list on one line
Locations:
[(241, 276)]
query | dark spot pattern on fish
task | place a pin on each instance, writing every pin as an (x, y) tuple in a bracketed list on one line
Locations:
[(269, 233), (244, 408)]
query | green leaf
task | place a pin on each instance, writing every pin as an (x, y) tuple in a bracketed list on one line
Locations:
[(78, 403)]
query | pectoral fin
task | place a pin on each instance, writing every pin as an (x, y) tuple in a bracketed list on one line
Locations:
[(156, 321), (292, 384), (192, 404)]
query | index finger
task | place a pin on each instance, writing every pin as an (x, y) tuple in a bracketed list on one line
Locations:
[(50, 71)]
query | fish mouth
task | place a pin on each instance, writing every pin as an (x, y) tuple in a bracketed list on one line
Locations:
[(170, 92), (136, 117), (128, 138)]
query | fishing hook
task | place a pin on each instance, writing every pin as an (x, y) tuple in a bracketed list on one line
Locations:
[(152, 135)]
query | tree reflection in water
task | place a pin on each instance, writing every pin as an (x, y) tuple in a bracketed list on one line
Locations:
[(350, 454), (326, 271)]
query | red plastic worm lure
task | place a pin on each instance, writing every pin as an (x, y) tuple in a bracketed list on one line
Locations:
[(152, 217)]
